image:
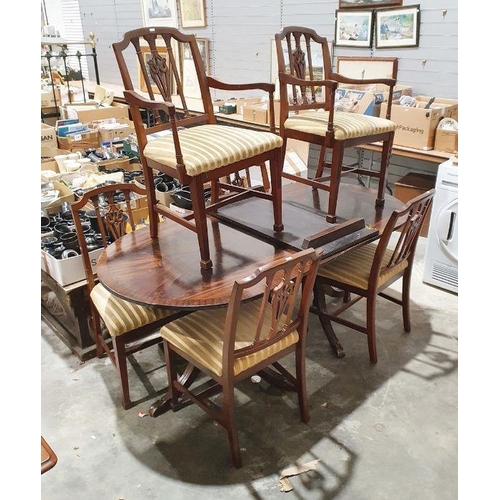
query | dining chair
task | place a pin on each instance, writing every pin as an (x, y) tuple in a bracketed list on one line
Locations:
[(307, 90), (120, 327), (236, 342), (366, 272), (191, 146)]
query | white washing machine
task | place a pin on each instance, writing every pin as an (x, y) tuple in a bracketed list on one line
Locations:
[(441, 258)]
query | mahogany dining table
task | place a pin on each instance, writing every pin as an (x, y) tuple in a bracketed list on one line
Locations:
[(165, 271)]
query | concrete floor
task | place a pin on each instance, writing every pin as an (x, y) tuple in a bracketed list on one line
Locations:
[(385, 431)]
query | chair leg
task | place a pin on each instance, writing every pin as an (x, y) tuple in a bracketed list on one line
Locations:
[(300, 371), (336, 172), (230, 424), (405, 300), (321, 164), (121, 366), (171, 374), (96, 326), (370, 327), (384, 170), (200, 217), (276, 166), (265, 177)]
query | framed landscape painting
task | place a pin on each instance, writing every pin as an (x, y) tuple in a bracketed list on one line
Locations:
[(353, 28), (159, 13), (397, 27)]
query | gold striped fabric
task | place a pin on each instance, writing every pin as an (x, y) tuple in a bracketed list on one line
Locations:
[(346, 125), (207, 147), (200, 335), (353, 268), (121, 316)]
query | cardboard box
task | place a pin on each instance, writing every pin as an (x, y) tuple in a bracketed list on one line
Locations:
[(116, 132), (80, 142), (416, 126), (446, 140), (48, 135), (70, 270), (65, 195), (380, 91), (241, 103), (48, 152), (356, 101), (50, 97), (410, 186), (255, 113), (450, 105), (88, 112)]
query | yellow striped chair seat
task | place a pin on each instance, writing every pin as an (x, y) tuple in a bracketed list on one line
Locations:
[(200, 335), (121, 316), (346, 125), (353, 268), (208, 147)]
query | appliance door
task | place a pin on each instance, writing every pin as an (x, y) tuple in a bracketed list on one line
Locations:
[(447, 229)]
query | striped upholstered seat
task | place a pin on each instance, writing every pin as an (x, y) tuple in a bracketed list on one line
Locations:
[(346, 125), (121, 316), (201, 336), (368, 273), (233, 343), (209, 147), (353, 268)]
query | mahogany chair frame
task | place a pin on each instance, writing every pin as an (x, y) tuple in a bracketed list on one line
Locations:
[(389, 264), (287, 287), (164, 72), (113, 221), (299, 72)]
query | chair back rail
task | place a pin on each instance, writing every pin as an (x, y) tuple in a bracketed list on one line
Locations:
[(408, 221)]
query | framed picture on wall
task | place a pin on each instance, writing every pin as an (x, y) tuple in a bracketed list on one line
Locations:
[(397, 27), (353, 28), (367, 67), (159, 12), (192, 13), (190, 83), (365, 4)]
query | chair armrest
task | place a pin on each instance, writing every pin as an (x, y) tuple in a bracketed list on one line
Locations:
[(217, 84), (265, 86), (135, 99)]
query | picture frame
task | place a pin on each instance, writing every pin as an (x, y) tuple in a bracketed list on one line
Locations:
[(396, 28), (353, 28), (367, 67), (364, 4), (159, 13), (146, 54), (190, 83), (192, 13)]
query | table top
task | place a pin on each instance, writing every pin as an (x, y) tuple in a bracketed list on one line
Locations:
[(165, 272)]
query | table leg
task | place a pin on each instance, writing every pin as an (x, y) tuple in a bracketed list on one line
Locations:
[(319, 305), (164, 404)]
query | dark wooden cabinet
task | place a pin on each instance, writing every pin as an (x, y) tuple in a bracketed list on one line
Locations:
[(66, 311)]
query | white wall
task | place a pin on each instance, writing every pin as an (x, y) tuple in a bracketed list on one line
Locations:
[(240, 35)]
